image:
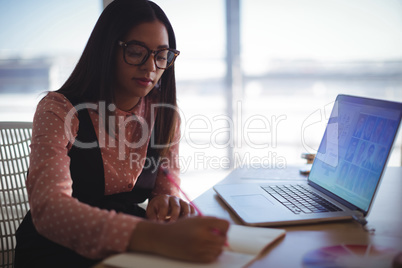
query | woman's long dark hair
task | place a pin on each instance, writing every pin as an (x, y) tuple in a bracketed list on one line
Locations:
[(93, 77)]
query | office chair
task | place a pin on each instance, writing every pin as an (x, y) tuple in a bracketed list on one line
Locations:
[(15, 138)]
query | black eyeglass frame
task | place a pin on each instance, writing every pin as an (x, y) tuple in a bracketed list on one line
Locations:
[(124, 45)]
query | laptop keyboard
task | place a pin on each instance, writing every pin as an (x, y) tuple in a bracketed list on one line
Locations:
[(298, 199)]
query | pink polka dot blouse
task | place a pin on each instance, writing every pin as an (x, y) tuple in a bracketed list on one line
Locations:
[(90, 231)]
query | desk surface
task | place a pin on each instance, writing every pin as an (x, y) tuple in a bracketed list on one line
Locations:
[(385, 216)]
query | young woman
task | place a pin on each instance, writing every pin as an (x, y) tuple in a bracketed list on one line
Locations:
[(97, 145)]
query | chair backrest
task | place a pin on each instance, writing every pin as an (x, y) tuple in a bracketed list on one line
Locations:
[(15, 138)]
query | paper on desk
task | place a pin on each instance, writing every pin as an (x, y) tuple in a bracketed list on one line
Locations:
[(245, 243), (252, 240), (133, 260)]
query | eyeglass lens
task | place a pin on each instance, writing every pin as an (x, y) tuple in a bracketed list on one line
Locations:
[(137, 55)]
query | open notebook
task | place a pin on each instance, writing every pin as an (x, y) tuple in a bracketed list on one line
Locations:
[(246, 244)]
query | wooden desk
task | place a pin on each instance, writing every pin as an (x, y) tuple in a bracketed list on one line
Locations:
[(385, 217)]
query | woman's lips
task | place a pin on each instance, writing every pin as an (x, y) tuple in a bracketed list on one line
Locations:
[(143, 81)]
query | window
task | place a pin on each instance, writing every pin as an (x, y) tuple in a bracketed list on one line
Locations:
[(298, 55), (202, 96), (295, 57), (40, 44)]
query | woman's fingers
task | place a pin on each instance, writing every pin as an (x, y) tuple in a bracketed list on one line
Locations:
[(174, 208), (158, 208), (191, 239), (168, 208)]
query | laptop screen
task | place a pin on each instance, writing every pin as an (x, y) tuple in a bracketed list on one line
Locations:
[(355, 148)]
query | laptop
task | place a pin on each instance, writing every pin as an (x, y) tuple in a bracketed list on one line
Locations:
[(344, 177)]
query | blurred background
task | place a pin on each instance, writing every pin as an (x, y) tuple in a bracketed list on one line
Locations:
[(256, 78)]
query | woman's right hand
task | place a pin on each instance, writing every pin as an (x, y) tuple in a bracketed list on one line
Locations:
[(196, 239)]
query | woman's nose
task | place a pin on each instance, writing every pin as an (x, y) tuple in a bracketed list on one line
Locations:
[(149, 64)]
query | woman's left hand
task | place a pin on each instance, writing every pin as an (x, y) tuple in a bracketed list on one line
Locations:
[(164, 208)]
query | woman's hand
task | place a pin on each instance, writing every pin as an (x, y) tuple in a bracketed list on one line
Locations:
[(168, 208), (196, 239)]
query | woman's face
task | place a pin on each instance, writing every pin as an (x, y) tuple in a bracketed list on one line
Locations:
[(134, 82)]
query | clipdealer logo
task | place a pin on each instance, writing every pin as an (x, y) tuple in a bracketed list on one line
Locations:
[(197, 131)]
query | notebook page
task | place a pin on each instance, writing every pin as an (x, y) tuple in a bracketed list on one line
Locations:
[(252, 240), (227, 259)]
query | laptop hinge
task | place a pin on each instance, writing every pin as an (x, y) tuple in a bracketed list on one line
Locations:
[(359, 218)]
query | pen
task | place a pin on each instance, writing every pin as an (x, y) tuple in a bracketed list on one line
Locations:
[(169, 177)]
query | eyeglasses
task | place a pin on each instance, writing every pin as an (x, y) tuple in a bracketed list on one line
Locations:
[(135, 53)]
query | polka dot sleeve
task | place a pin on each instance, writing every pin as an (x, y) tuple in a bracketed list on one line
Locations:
[(92, 232)]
